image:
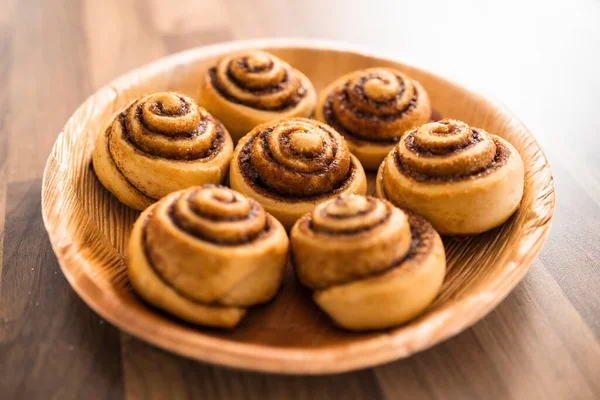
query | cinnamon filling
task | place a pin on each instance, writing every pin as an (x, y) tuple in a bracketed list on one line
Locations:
[(277, 87), (332, 120), (372, 206), (421, 245), (309, 225), (500, 159), (139, 114), (252, 177), (254, 210), (287, 103), (423, 152), (381, 118), (243, 62), (157, 108), (243, 239), (359, 90), (285, 142), (215, 147)]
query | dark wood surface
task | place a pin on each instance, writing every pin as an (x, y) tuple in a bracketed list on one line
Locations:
[(540, 60)]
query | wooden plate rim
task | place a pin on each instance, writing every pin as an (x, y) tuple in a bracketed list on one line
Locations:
[(353, 356)]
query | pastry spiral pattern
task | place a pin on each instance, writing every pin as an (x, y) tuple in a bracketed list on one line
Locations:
[(372, 108), (370, 265), (462, 179), (251, 87), (207, 253), (292, 164), (158, 144)]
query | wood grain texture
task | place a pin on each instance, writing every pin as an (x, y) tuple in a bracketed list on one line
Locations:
[(511, 359), (526, 65), (5, 49), (30, 342), (89, 229)]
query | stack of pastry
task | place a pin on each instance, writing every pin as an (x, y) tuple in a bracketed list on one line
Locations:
[(205, 253), (371, 265)]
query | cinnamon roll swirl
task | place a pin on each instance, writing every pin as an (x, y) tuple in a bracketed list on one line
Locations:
[(371, 265), (205, 254), (158, 144), (372, 108), (291, 165), (462, 179), (251, 87)]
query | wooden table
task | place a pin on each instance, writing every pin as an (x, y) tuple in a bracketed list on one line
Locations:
[(541, 60)]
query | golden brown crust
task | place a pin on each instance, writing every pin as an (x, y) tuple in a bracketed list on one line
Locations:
[(372, 108), (293, 164), (462, 179), (251, 87), (361, 255), (158, 144), (205, 254)]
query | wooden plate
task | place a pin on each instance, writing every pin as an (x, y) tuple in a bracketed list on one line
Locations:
[(89, 229)]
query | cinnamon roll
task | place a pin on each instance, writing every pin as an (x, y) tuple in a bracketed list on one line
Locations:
[(291, 165), (158, 144), (205, 254), (372, 108), (462, 179), (250, 87), (371, 265)]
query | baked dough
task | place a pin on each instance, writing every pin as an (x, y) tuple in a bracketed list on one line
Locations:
[(291, 165), (372, 108), (206, 254), (248, 88), (158, 144), (371, 265), (462, 179)]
